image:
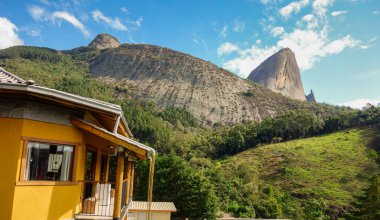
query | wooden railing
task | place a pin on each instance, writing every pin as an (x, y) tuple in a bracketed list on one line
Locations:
[(97, 198)]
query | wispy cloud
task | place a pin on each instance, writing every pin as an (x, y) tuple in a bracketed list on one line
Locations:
[(337, 13), (227, 48), (63, 15), (320, 7), (137, 23), (293, 7), (114, 23), (309, 39), (8, 33), (238, 26), (124, 10), (376, 12), (223, 31), (276, 31), (38, 13), (41, 14)]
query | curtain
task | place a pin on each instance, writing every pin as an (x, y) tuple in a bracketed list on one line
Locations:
[(66, 163)]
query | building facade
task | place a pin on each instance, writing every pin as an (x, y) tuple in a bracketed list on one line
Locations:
[(64, 156)]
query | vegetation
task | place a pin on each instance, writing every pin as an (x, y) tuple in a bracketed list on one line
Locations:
[(251, 169), (177, 181), (311, 178)]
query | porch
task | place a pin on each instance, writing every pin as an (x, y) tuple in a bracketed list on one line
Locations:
[(107, 187)]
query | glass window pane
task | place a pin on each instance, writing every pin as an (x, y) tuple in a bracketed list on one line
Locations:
[(48, 162)]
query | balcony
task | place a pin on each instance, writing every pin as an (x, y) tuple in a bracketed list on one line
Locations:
[(98, 199)]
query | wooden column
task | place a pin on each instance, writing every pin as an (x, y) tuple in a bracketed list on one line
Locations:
[(132, 177), (129, 175), (107, 167), (118, 185), (98, 164)]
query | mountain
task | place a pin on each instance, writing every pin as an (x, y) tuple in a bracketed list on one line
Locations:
[(280, 73), (171, 78), (311, 97), (104, 41)]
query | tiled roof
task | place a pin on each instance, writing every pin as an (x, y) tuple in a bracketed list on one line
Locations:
[(156, 206), (7, 77)]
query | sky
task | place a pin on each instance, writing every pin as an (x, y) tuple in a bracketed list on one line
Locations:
[(336, 42)]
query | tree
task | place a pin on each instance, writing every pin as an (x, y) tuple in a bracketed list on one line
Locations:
[(177, 181)]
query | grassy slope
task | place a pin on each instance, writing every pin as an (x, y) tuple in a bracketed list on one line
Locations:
[(335, 167)]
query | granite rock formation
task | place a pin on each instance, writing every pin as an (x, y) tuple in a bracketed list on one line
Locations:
[(311, 97), (104, 41), (171, 78), (280, 73)]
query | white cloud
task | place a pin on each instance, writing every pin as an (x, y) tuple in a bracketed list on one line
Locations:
[(360, 103), (309, 40), (37, 12), (376, 12), (276, 31), (41, 14), (248, 60), (124, 10), (238, 26), (265, 2), (293, 7), (224, 30), (46, 2), (114, 23), (63, 15), (8, 33), (320, 6), (138, 22), (309, 46), (227, 48), (337, 46), (309, 20), (337, 13), (258, 41)]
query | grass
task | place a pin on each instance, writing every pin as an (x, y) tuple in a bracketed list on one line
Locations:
[(335, 167)]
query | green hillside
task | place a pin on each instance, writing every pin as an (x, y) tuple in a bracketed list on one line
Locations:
[(327, 173)]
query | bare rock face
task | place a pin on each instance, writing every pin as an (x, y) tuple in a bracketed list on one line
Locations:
[(280, 73), (172, 78), (311, 97), (104, 41)]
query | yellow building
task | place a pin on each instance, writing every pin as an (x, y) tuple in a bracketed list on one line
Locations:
[(64, 156)]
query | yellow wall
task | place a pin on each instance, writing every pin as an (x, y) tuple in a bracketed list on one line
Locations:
[(10, 132), (44, 202)]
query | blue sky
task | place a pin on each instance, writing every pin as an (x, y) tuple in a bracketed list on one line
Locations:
[(336, 42)]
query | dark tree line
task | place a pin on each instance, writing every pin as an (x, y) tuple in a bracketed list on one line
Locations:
[(288, 126)]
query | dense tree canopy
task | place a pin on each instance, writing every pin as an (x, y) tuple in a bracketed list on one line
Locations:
[(177, 181)]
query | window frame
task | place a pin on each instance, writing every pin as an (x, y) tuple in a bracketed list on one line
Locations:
[(22, 180)]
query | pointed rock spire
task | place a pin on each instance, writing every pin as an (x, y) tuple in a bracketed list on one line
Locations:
[(311, 97), (281, 74)]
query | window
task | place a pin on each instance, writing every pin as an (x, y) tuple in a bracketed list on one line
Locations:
[(48, 162)]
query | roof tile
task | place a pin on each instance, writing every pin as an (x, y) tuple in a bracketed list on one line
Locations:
[(7, 77)]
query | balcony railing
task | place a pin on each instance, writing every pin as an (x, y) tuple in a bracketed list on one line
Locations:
[(98, 198)]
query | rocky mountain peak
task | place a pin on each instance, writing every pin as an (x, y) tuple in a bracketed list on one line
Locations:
[(281, 74), (311, 97), (104, 41)]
